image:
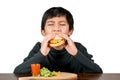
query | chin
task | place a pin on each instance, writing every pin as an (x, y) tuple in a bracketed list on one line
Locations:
[(58, 47)]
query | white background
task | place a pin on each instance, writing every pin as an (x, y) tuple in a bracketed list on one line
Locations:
[(97, 25)]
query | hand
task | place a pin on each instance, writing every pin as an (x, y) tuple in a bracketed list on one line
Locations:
[(44, 44), (70, 47)]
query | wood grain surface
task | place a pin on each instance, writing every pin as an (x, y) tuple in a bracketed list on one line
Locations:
[(63, 75)]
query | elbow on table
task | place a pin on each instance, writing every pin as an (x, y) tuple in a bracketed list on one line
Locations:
[(19, 70), (98, 70)]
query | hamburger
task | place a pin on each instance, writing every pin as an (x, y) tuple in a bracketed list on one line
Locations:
[(57, 41)]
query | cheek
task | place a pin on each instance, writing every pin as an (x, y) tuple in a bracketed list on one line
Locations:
[(48, 30), (65, 30)]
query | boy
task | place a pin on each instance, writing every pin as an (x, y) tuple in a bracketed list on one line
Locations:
[(68, 57)]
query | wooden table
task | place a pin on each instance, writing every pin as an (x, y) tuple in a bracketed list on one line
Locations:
[(83, 76)]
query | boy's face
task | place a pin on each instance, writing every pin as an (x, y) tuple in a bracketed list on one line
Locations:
[(57, 25)]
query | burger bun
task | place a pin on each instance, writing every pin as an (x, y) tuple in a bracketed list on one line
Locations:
[(57, 41)]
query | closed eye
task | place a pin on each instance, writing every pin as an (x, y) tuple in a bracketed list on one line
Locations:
[(62, 24), (50, 24)]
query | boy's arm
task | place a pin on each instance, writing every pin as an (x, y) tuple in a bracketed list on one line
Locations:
[(85, 59), (34, 56)]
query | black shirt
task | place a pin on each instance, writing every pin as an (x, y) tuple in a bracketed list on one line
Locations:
[(60, 60)]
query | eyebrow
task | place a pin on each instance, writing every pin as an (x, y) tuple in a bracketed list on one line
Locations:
[(54, 22), (50, 22), (62, 21)]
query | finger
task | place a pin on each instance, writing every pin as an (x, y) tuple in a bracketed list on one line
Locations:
[(49, 36), (63, 36)]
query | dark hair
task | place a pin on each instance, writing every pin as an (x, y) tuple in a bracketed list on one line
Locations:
[(57, 12)]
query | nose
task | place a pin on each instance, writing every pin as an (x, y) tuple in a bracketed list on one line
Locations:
[(56, 29)]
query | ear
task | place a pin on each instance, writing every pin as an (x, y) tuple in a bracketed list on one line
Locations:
[(43, 32), (70, 32)]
